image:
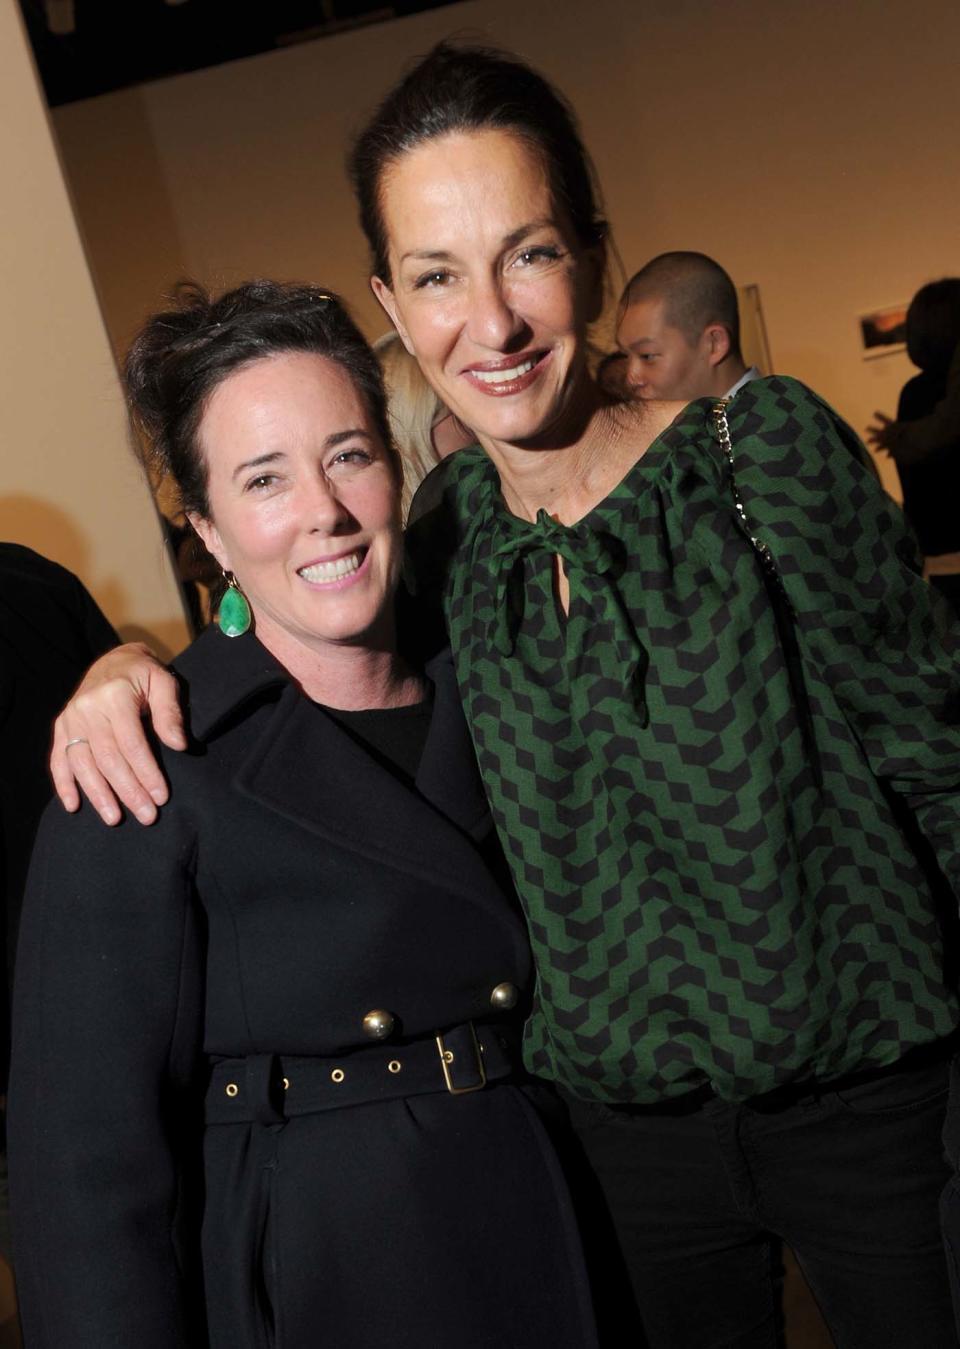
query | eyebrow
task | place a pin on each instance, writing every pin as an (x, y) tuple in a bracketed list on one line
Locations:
[(517, 236), (510, 240), (338, 437), (260, 460), (332, 441)]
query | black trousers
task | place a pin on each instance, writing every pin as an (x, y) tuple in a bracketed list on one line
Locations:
[(696, 1196), (950, 1200)]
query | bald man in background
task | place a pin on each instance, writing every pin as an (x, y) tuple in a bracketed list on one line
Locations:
[(679, 329)]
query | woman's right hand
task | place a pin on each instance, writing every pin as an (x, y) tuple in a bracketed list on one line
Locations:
[(99, 744)]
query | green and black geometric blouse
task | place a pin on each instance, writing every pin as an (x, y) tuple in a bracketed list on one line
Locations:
[(705, 779)]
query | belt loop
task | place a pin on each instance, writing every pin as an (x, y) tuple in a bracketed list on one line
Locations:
[(261, 1084)]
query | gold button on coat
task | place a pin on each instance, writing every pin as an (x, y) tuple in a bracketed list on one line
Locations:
[(505, 996), (378, 1024)]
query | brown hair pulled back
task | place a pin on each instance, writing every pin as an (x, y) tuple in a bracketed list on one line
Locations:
[(473, 88)]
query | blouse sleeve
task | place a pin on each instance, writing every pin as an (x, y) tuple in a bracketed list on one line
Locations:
[(886, 643), (104, 1117)]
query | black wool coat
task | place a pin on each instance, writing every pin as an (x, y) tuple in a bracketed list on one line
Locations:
[(291, 885)]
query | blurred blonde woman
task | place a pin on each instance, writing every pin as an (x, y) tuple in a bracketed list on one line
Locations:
[(424, 429)]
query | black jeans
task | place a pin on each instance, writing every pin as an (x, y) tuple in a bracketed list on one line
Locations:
[(850, 1177), (950, 1200)]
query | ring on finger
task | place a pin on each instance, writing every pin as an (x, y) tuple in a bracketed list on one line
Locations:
[(78, 740)]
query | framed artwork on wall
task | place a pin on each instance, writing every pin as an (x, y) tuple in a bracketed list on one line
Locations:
[(754, 342), (884, 331)]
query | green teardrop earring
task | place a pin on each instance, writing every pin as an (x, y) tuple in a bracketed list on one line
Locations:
[(233, 616)]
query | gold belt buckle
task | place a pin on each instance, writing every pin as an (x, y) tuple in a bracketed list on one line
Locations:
[(446, 1058)]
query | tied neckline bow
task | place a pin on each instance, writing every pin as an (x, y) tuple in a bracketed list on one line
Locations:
[(598, 558)]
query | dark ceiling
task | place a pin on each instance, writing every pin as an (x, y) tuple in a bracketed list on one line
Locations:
[(87, 47)]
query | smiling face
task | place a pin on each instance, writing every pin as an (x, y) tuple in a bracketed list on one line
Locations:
[(489, 288), (304, 505)]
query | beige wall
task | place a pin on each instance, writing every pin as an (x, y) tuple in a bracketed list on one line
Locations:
[(68, 484), (807, 144)]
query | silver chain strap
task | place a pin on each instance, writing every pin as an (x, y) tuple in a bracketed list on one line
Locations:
[(726, 445)]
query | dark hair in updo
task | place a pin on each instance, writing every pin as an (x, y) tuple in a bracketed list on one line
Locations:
[(470, 88), (180, 356)]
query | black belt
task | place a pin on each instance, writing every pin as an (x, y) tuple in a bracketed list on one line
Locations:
[(270, 1088)]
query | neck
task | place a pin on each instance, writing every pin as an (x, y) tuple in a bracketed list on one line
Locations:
[(341, 675), (726, 374), (550, 471), (568, 473)]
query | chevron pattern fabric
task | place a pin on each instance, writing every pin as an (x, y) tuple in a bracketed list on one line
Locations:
[(696, 772)]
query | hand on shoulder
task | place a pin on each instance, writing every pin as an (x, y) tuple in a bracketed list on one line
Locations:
[(99, 745)]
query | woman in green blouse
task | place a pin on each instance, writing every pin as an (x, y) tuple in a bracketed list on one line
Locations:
[(714, 708)]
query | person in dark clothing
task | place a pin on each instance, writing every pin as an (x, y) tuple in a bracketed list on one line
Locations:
[(302, 981), (930, 472), (50, 630)]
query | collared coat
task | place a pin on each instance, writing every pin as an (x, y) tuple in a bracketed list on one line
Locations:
[(291, 885)]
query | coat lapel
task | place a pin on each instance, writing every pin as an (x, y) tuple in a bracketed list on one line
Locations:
[(304, 766), (448, 775)]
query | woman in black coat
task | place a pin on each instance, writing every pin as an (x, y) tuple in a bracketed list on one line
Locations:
[(261, 1089)]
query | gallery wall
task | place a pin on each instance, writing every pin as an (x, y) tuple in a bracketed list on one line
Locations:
[(69, 487), (806, 144)]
